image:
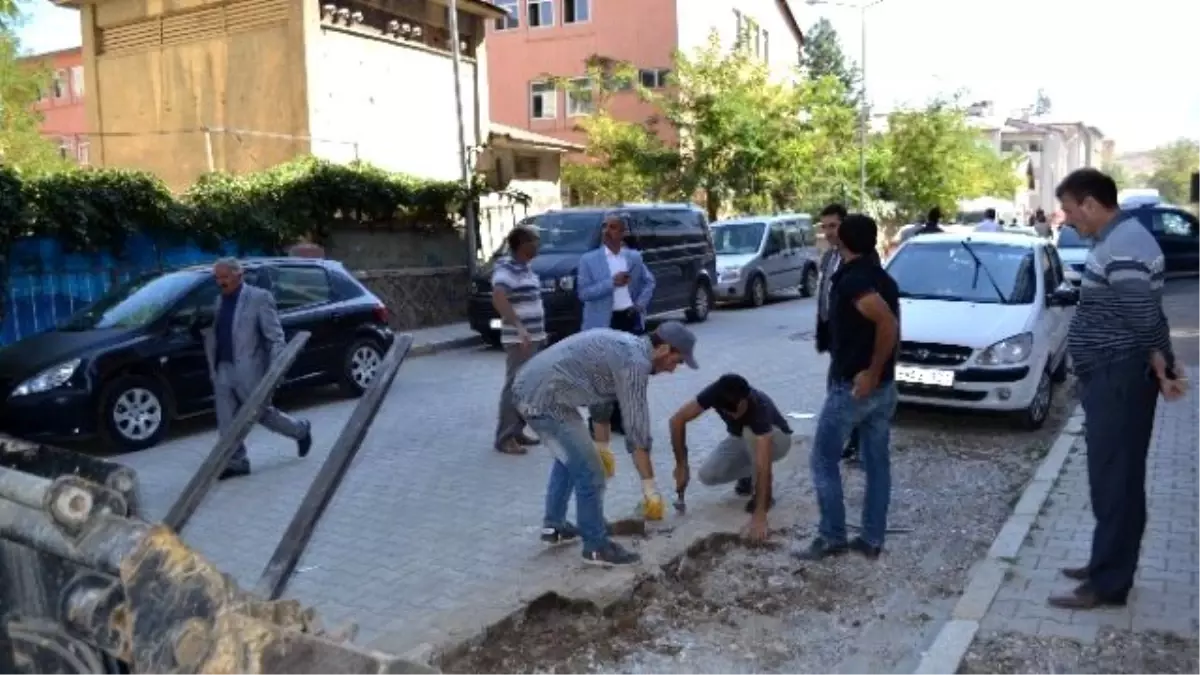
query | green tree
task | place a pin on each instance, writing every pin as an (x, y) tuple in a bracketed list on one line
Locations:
[(21, 143), (746, 140), (823, 55), (1119, 174), (1173, 167), (934, 158), (623, 161)]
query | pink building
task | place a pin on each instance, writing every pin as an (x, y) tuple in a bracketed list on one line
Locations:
[(64, 116), (554, 37)]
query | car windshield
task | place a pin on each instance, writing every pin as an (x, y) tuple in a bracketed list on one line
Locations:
[(949, 271), (737, 238), (134, 304), (562, 232), (1068, 237)]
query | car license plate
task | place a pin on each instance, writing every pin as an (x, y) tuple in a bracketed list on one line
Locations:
[(495, 324), (925, 376)]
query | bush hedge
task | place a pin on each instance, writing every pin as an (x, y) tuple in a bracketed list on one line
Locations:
[(99, 209)]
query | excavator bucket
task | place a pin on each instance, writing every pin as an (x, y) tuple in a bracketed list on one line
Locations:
[(87, 585)]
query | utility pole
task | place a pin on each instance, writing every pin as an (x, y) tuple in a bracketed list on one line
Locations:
[(463, 152)]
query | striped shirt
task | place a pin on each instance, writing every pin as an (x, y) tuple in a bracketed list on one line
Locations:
[(523, 289), (1120, 312), (590, 368)]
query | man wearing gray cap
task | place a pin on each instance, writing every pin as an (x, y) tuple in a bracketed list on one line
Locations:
[(596, 368)]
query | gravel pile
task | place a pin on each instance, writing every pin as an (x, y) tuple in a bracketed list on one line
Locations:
[(728, 608), (1113, 652)]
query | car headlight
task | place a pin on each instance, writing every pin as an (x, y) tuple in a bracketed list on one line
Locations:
[(565, 283), (50, 378), (1015, 349), (730, 273)]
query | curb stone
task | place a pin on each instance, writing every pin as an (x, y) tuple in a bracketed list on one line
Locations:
[(945, 654), (435, 346)]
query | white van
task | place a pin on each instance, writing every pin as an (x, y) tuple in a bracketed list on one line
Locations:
[(758, 256)]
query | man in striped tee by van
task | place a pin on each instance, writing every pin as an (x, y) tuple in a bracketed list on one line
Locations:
[(1120, 347), (517, 297)]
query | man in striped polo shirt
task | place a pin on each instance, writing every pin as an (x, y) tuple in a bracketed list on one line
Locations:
[(594, 368), (1120, 346), (517, 297)]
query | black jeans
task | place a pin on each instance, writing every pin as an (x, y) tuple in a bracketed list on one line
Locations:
[(1119, 401)]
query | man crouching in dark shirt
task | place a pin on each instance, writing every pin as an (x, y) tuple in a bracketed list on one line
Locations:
[(758, 437), (864, 321)]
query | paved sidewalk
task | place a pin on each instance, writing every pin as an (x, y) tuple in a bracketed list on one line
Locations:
[(441, 338), (1165, 595)]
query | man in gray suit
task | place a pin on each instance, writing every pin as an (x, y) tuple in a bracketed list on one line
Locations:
[(245, 339)]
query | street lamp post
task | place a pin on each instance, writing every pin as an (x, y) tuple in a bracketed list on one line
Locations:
[(863, 111)]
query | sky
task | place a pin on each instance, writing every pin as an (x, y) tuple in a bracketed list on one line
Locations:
[(1120, 66)]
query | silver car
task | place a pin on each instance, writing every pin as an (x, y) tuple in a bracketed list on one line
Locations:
[(758, 256)]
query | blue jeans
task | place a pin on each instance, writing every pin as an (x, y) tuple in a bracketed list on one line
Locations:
[(577, 469), (840, 415)]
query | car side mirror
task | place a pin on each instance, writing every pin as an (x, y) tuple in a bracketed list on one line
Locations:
[(1064, 296)]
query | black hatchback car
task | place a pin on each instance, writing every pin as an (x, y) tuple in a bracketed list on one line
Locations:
[(675, 243), (132, 362)]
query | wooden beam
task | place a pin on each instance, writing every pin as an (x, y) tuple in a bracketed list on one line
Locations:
[(287, 554)]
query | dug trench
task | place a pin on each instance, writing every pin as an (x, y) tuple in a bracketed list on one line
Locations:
[(724, 606)]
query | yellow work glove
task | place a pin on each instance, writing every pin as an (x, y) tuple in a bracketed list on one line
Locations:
[(608, 460), (653, 507)]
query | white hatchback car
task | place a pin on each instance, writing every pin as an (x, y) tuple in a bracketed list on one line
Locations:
[(983, 322)]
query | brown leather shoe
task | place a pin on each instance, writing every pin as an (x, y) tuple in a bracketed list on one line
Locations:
[(1083, 598), (1076, 573)]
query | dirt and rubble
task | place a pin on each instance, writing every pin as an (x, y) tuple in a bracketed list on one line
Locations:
[(726, 607), (1113, 651)]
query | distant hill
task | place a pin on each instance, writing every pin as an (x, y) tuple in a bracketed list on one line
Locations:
[(1141, 162)]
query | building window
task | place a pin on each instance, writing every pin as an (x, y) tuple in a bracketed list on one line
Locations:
[(541, 13), (59, 84), (577, 11), (77, 82), (766, 47), (82, 153), (653, 78), (64, 148), (542, 101), (526, 167), (1034, 146), (513, 20), (580, 100)]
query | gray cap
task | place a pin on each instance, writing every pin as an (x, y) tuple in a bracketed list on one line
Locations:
[(678, 337)]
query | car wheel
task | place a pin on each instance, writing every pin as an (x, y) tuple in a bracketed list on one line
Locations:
[(133, 413), (1060, 373), (492, 338), (701, 304), (1035, 415), (756, 293), (812, 279), (360, 365)]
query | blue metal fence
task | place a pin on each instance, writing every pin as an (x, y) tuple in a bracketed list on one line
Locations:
[(43, 285)]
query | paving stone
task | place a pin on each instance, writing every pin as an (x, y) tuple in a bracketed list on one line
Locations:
[(1166, 592)]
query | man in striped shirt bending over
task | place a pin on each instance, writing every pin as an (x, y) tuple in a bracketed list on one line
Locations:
[(1120, 346), (517, 297), (595, 368)]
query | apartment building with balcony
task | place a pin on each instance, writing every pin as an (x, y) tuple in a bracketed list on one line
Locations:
[(64, 115), (540, 38), (182, 88)]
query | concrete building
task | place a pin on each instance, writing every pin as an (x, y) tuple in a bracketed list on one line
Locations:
[(1050, 151), (540, 39), (64, 115), (181, 88)]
